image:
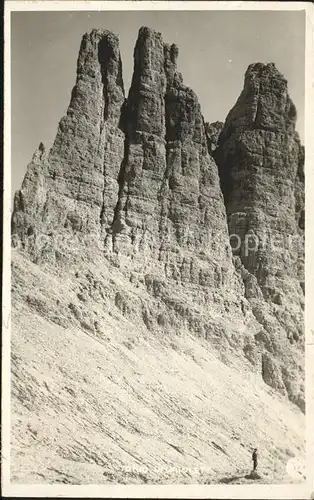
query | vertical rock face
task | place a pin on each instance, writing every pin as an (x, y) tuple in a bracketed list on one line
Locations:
[(170, 204), (136, 223), (213, 131), (135, 181), (136, 172), (77, 180), (260, 160), (261, 165)]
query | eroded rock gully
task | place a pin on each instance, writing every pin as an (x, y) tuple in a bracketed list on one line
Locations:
[(135, 182)]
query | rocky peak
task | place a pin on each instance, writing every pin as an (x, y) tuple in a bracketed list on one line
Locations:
[(171, 53), (260, 160), (39, 153), (167, 164), (99, 67), (145, 100), (76, 176), (131, 182), (213, 131), (264, 102)]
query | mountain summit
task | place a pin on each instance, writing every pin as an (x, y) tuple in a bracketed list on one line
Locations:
[(145, 234)]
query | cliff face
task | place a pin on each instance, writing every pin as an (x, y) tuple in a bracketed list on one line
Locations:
[(261, 162), (170, 205), (130, 183), (135, 173), (74, 186), (213, 131)]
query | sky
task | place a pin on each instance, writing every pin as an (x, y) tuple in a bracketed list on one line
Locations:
[(215, 49)]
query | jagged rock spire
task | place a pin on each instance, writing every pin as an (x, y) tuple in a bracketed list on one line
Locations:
[(131, 182), (79, 173), (260, 160)]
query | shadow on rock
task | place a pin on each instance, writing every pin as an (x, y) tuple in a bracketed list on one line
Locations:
[(230, 479), (253, 475)]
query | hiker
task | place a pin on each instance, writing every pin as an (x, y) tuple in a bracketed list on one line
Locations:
[(254, 458)]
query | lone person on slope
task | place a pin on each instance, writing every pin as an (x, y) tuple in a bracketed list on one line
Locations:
[(254, 458)]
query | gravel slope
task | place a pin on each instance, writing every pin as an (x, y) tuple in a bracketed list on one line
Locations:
[(119, 404)]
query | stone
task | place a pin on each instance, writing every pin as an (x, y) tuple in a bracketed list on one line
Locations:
[(256, 146), (261, 165), (213, 131), (176, 210), (75, 185), (272, 374)]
